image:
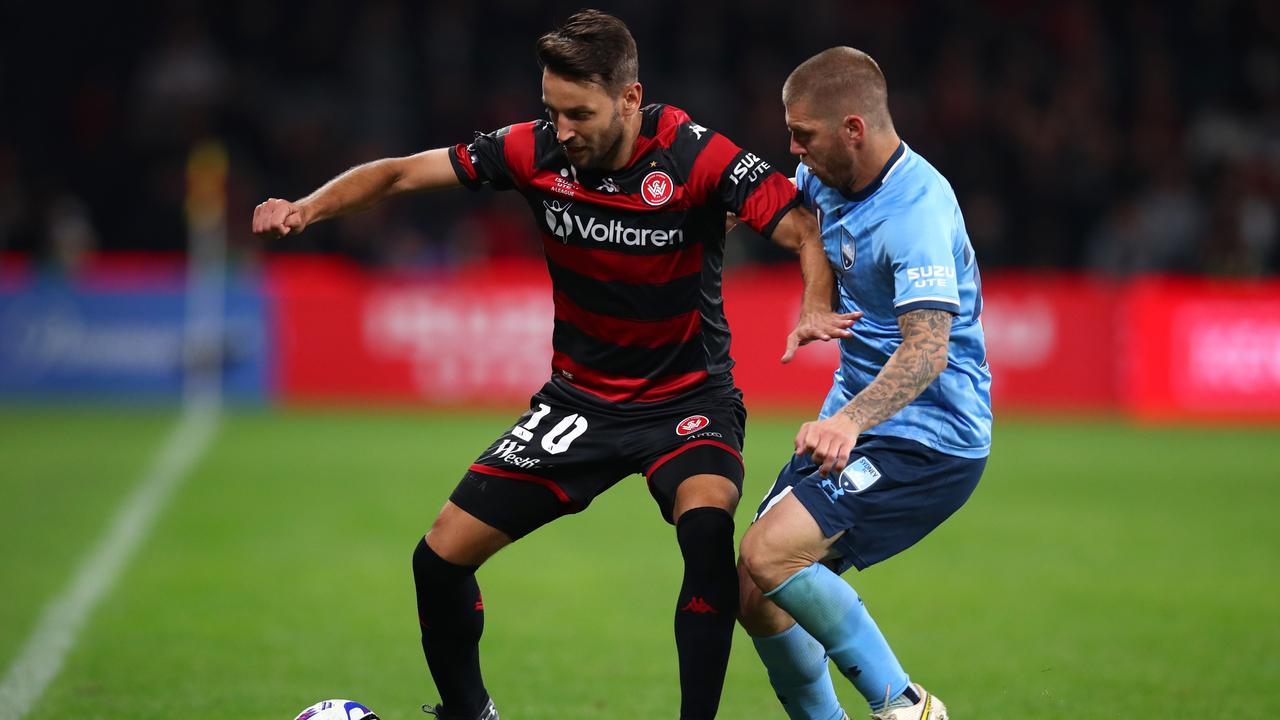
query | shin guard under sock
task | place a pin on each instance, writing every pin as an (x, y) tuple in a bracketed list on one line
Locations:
[(706, 609), (451, 614)]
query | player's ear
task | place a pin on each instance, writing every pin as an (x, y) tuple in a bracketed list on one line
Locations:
[(631, 97), (853, 129)]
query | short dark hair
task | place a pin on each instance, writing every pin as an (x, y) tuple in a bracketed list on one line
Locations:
[(840, 81), (592, 46)]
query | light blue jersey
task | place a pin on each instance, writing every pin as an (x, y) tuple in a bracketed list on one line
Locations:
[(900, 245)]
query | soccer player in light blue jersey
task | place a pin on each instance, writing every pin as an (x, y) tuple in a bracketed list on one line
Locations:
[(905, 430)]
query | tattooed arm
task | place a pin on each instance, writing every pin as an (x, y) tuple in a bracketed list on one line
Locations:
[(917, 362)]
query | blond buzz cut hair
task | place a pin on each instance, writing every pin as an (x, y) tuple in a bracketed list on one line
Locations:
[(841, 81)]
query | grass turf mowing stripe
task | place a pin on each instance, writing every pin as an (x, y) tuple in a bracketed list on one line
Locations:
[(42, 656)]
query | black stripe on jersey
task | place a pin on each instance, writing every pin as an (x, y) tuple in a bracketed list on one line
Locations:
[(624, 361), (742, 176), (630, 302), (649, 117), (548, 153), (715, 327)]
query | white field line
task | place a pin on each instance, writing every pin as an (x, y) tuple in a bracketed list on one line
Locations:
[(42, 657)]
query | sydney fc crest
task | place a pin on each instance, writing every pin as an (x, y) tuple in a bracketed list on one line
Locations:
[(848, 251)]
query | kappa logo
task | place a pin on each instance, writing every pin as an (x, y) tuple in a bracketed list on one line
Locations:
[(700, 606), (609, 186), (657, 188), (691, 425), (697, 130)]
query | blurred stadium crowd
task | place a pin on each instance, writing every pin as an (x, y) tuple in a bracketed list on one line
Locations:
[(1121, 137)]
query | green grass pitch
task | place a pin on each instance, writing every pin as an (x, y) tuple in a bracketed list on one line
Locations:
[(1100, 571)]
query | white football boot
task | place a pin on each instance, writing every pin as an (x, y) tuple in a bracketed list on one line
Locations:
[(929, 708)]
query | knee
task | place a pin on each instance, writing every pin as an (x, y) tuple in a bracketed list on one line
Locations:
[(752, 600), (699, 491), (759, 615), (764, 560)]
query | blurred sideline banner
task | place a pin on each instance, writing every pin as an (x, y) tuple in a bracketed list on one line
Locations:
[(481, 337), (316, 330), (121, 336), (1163, 349), (1201, 348)]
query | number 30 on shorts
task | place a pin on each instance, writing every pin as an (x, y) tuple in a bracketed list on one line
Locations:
[(559, 437)]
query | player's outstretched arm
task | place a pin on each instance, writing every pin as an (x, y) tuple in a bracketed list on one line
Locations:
[(359, 188), (917, 362), (798, 231)]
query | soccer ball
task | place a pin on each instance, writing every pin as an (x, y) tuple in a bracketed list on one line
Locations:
[(337, 710)]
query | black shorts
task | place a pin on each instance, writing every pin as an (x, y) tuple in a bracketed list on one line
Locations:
[(569, 448)]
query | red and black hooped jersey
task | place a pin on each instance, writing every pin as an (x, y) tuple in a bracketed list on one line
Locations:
[(636, 254)]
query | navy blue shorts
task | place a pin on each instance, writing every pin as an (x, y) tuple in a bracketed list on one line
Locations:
[(892, 493)]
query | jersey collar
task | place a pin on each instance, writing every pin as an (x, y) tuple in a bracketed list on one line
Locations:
[(866, 192)]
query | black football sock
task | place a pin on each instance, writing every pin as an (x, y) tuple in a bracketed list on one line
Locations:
[(706, 610), (451, 614)]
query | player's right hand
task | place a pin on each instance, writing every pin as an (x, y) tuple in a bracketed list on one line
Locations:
[(276, 218), (828, 442), (819, 325)]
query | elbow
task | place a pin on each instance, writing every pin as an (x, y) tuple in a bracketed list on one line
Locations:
[(938, 363)]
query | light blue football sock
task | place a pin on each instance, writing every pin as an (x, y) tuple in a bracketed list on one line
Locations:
[(797, 666), (832, 613)]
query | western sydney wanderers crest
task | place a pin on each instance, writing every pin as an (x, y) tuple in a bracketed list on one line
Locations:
[(691, 425), (657, 188)]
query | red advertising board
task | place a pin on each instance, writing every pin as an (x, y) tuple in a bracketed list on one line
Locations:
[(1056, 342), (1051, 341), (347, 335), (1202, 348)]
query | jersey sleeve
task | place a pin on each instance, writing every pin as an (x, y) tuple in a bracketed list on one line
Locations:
[(801, 179), (485, 161), (742, 182), (918, 245)]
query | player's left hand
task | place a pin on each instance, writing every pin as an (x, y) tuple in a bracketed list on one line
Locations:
[(819, 325), (828, 442)]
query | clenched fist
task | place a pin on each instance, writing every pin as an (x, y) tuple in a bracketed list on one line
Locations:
[(276, 218)]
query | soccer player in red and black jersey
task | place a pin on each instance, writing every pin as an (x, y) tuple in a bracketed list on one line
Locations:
[(631, 203)]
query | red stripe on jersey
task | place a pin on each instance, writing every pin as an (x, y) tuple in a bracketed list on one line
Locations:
[(766, 200), (464, 159), (608, 265), (633, 333), (624, 389), (552, 183), (710, 165), (668, 122), (689, 446), (486, 470), (518, 148)]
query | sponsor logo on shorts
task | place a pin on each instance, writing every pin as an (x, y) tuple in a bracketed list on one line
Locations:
[(708, 433), (507, 450), (857, 476), (691, 425)]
